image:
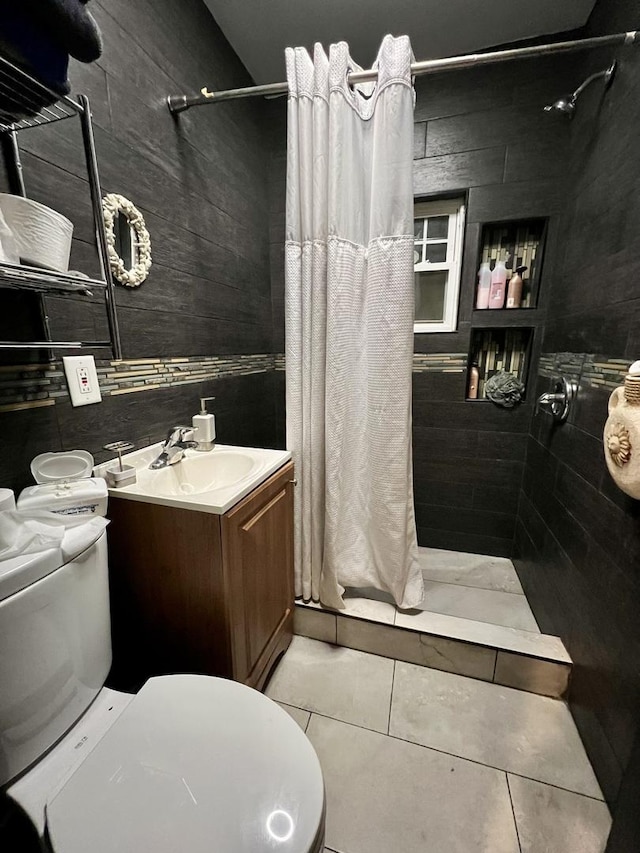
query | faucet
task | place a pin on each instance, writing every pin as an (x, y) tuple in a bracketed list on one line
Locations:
[(558, 402), (173, 449)]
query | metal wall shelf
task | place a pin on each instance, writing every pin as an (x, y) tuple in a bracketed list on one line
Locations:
[(47, 281), (27, 103)]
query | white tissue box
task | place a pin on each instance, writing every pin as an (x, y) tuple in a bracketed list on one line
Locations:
[(78, 498)]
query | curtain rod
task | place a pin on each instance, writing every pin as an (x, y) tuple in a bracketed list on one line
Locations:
[(180, 103)]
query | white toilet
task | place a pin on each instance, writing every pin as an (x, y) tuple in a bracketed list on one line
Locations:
[(190, 763)]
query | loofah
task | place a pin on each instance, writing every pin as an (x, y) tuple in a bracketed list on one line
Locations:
[(504, 389)]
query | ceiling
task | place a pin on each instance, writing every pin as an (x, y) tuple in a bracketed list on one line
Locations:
[(259, 30)]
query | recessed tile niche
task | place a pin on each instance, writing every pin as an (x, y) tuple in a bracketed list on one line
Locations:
[(500, 349), (519, 243)]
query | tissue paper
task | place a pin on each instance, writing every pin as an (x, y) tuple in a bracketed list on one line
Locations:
[(29, 533)]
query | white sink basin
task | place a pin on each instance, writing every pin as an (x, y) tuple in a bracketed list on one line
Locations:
[(209, 482), (195, 476)]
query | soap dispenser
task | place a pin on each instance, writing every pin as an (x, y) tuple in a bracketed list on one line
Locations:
[(204, 426)]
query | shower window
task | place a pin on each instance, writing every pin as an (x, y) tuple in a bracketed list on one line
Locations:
[(437, 231)]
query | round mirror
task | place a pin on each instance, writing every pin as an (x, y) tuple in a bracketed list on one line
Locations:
[(128, 240)]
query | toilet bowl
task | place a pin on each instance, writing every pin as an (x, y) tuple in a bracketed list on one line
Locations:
[(190, 762)]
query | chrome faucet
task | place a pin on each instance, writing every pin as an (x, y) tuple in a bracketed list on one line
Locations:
[(558, 402), (173, 449)]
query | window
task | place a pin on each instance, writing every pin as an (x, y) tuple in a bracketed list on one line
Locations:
[(438, 232)]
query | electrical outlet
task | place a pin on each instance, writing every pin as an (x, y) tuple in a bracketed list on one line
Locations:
[(82, 379)]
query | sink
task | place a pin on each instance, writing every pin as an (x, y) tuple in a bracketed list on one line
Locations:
[(208, 482), (195, 476)]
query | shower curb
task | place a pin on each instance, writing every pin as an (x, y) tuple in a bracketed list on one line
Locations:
[(536, 663)]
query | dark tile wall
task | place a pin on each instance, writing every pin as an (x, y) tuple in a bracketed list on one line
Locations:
[(479, 133), (578, 536), (200, 182), (244, 415)]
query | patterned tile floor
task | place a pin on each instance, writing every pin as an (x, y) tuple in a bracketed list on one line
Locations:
[(419, 760)]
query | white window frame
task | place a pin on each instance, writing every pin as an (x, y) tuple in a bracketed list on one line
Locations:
[(455, 210)]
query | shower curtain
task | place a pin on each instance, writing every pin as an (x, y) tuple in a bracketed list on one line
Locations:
[(349, 323)]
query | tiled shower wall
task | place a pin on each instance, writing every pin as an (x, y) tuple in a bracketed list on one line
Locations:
[(578, 536), (479, 133), (200, 182)]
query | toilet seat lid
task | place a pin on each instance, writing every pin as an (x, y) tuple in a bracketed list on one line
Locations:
[(194, 763)]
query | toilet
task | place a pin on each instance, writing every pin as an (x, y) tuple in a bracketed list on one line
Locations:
[(190, 762)]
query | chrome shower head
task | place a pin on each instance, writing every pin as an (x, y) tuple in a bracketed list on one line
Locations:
[(567, 104)]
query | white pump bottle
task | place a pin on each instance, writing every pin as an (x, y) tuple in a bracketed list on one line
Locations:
[(204, 426)]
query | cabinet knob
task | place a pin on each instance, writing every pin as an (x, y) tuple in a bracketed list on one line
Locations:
[(295, 482)]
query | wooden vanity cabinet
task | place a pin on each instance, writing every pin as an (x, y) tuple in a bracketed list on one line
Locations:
[(203, 593)]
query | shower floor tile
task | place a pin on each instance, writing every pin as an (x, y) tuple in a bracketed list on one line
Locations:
[(474, 586), (476, 570), (342, 683), (509, 729), (509, 609)]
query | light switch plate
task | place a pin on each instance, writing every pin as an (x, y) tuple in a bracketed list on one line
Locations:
[(82, 379)]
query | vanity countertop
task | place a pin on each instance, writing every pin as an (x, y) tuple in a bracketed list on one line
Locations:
[(212, 481)]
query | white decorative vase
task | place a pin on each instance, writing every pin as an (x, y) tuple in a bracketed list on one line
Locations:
[(622, 434)]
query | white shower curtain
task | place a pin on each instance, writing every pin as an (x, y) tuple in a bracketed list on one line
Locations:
[(349, 323)]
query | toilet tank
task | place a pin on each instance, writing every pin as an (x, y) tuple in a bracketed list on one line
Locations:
[(55, 648)]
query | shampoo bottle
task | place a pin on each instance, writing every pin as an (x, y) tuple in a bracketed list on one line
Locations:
[(498, 285), (484, 286), (514, 294)]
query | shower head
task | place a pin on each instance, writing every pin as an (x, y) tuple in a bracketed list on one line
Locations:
[(567, 104)]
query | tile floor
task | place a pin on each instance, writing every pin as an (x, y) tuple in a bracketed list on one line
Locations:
[(469, 586), (416, 759), (476, 622)]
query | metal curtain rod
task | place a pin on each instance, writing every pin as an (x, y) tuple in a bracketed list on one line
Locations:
[(180, 103)]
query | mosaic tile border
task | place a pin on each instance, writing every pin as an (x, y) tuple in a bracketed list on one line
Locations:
[(32, 386), (28, 386), (590, 369), (444, 362), (126, 377)]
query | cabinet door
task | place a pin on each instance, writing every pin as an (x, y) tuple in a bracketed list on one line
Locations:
[(258, 565), (167, 593)]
